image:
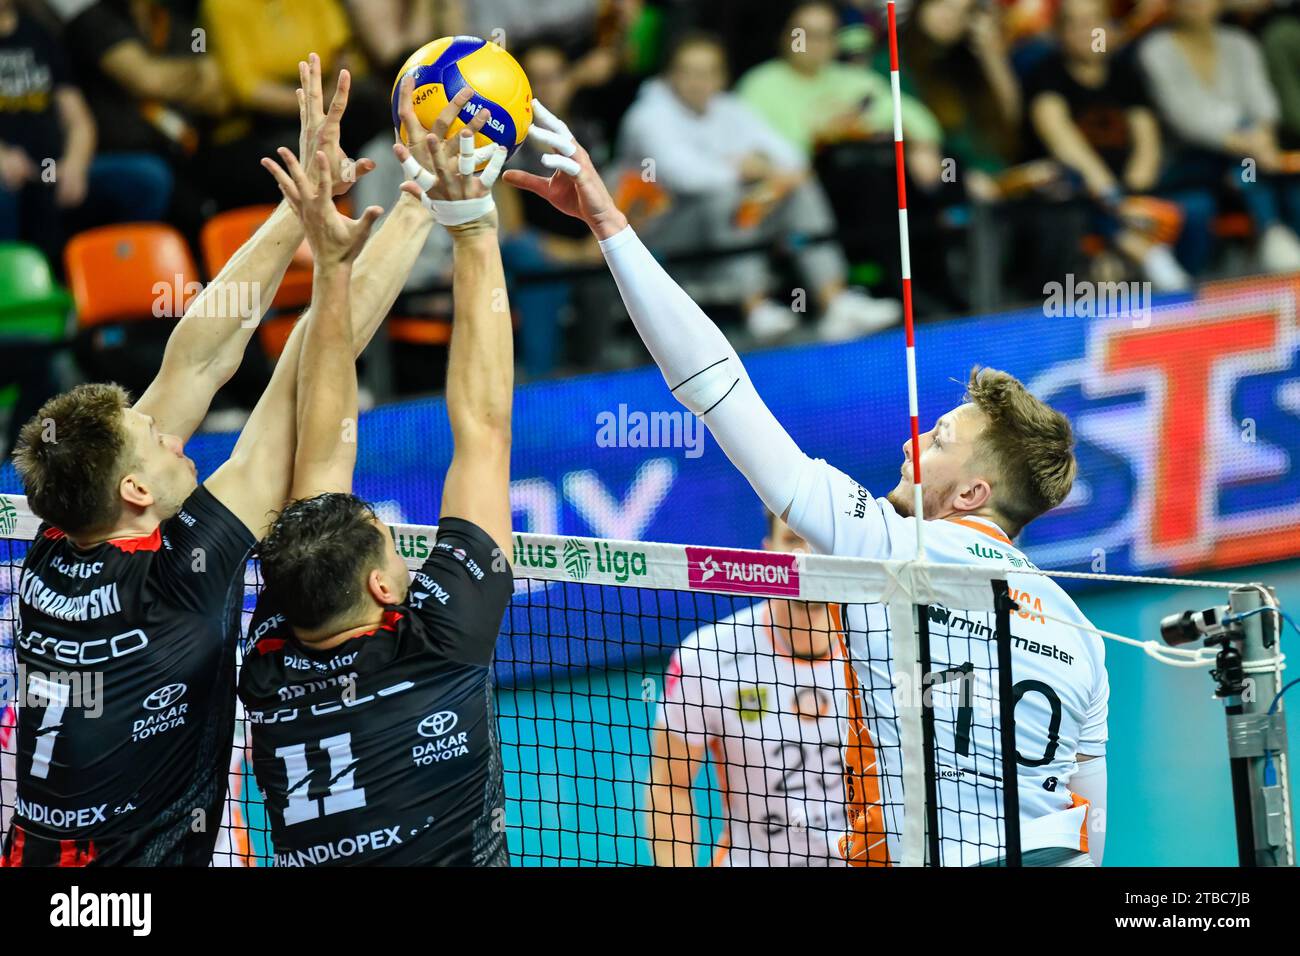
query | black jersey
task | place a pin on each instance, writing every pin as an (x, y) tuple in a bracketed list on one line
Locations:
[(383, 749), (126, 655)]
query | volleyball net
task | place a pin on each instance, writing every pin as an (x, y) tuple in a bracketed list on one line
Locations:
[(662, 703)]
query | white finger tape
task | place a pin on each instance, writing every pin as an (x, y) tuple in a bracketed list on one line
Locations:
[(418, 174)]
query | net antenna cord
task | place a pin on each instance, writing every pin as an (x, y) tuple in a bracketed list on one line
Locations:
[(904, 247)]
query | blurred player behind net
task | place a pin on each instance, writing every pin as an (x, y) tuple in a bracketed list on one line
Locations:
[(763, 694)]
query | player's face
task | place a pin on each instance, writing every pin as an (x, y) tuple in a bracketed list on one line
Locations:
[(698, 75), (161, 467), (948, 468), (394, 571), (781, 538)]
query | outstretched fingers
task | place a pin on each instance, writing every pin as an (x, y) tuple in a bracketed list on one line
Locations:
[(449, 112), (466, 163), (424, 179), (529, 181), (549, 130), (406, 109), (340, 102), (564, 164), (493, 168), (283, 180)]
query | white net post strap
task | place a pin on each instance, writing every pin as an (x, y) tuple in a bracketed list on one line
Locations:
[(907, 671)]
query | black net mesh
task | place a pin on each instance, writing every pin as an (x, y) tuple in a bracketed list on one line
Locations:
[(641, 726)]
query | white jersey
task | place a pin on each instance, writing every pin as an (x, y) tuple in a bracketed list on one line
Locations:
[(774, 727), (1060, 684)]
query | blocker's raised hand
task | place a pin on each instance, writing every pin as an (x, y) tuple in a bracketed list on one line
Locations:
[(444, 177), (319, 130), (334, 238), (575, 188)]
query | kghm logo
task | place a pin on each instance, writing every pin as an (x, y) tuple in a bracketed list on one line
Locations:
[(8, 516), (577, 559)]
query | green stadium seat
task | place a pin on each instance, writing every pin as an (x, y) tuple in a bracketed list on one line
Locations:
[(33, 305)]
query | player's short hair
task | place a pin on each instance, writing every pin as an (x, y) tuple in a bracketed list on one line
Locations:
[(71, 456), (317, 555), (1027, 444)]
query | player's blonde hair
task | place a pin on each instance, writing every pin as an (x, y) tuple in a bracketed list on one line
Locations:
[(1027, 445)]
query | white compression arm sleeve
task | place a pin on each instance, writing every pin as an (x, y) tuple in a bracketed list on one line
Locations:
[(1089, 782), (704, 372)]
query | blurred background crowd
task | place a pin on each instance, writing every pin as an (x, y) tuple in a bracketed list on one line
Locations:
[(751, 142)]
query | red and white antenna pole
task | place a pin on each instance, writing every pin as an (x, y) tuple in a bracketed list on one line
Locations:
[(906, 256)]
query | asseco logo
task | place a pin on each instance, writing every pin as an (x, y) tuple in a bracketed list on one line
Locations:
[(435, 725), (164, 696), (8, 516)]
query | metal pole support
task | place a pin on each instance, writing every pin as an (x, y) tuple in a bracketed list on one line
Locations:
[(1256, 740)]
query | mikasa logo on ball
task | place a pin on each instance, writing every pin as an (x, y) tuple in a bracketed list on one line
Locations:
[(472, 108)]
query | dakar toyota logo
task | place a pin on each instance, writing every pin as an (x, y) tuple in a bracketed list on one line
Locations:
[(435, 725), (164, 697)]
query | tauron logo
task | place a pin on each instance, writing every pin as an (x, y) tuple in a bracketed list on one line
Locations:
[(435, 725), (577, 560), (164, 696), (8, 516)]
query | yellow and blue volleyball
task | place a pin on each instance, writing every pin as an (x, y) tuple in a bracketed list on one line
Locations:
[(446, 66)]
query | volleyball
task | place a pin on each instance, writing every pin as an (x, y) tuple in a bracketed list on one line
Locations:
[(444, 67)]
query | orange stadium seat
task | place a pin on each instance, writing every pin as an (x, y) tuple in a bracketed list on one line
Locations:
[(222, 236), (225, 232), (117, 273)]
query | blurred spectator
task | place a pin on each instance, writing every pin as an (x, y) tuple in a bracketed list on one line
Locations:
[(258, 46), (845, 102), (1210, 85), (734, 181), (1089, 112), (539, 239), (50, 177), (516, 23), (388, 31), (1281, 39), (150, 84), (957, 65), (849, 135)]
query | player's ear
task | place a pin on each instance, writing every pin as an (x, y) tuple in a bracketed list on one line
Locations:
[(381, 588), (134, 491), (974, 496)]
